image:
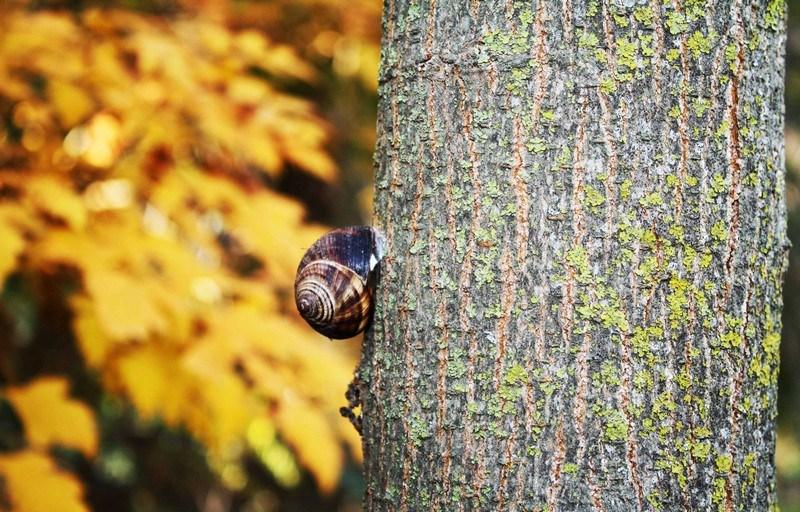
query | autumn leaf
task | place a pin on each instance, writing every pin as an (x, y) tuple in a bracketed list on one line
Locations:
[(152, 383), (94, 343), (35, 484), (125, 308), (71, 103), (316, 162), (50, 417), (54, 197), (308, 432), (213, 404)]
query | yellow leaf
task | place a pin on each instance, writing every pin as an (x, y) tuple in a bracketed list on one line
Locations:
[(35, 484), (155, 51), (284, 60), (151, 381), (315, 162), (71, 103), (56, 198), (215, 38), (224, 408), (305, 371), (12, 243), (28, 34), (124, 307), (93, 341), (307, 431), (107, 66), (261, 149), (203, 394), (223, 412), (61, 246), (51, 417), (245, 89), (251, 44)]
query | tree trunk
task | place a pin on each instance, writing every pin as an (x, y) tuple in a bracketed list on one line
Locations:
[(584, 207)]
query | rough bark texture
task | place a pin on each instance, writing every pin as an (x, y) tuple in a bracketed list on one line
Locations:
[(580, 309)]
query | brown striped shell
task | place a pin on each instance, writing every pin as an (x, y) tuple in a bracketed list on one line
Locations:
[(333, 286)]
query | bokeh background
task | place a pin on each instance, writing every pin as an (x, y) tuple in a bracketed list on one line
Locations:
[(163, 166)]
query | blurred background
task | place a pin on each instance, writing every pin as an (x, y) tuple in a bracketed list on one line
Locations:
[(163, 165)]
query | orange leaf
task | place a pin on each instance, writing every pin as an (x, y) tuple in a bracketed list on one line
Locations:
[(35, 484), (51, 417)]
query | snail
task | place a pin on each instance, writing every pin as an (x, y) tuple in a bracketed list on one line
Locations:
[(333, 287)]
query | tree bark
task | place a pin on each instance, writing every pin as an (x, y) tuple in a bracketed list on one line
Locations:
[(584, 208)]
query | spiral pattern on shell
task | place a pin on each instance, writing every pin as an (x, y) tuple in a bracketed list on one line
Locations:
[(332, 288)]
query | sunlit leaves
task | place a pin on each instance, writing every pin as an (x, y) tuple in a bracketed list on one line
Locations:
[(35, 484), (97, 142), (71, 104), (307, 431), (125, 307), (196, 77), (347, 36), (50, 417), (261, 437), (136, 167), (53, 196)]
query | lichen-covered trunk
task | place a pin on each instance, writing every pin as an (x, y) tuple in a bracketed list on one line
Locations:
[(580, 306)]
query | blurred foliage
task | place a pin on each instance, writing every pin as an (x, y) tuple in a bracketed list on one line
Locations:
[(160, 170)]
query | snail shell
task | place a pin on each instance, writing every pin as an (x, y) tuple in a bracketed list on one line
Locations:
[(333, 289)]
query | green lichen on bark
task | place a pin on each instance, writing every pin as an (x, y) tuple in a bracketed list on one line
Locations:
[(580, 304)]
